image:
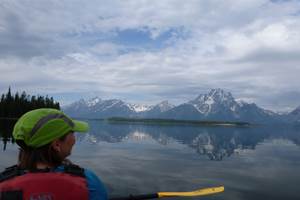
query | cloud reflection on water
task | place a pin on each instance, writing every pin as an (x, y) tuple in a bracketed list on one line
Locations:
[(253, 163)]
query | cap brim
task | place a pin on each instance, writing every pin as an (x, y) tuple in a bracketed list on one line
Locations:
[(80, 126)]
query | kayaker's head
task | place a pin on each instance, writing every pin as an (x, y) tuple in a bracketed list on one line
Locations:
[(46, 136)]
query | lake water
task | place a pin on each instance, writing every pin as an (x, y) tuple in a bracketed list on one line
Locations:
[(252, 163)]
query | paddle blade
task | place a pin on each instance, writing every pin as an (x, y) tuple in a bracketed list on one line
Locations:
[(200, 192)]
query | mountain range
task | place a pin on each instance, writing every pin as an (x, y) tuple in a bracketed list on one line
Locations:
[(217, 105)]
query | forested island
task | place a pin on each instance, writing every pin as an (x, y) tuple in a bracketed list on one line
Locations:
[(175, 122)]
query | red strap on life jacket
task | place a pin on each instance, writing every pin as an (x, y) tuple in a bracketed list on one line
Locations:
[(47, 186)]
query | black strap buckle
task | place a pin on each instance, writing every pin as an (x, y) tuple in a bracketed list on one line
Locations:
[(11, 195), (74, 170), (10, 172)]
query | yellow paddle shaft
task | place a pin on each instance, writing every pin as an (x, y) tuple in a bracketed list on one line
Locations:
[(200, 192)]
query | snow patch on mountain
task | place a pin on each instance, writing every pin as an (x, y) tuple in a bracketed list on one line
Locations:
[(112, 103), (92, 102), (165, 106), (241, 103), (139, 107)]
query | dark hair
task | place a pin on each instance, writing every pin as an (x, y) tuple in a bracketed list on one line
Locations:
[(29, 157)]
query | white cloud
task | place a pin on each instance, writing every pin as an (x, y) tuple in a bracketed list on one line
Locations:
[(247, 47)]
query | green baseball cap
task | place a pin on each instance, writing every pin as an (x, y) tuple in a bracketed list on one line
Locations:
[(41, 126)]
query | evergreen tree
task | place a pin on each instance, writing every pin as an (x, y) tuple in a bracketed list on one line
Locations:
[(14, 106)]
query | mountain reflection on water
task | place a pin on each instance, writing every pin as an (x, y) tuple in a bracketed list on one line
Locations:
[(260, 162), (214, 142)]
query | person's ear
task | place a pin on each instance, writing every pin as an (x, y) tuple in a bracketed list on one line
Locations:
[(56, 145)]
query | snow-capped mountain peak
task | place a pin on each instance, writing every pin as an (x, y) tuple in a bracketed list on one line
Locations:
[(241, 103), (164, 106), (215, 99), (139, 107), (92, 102), (220, 94)]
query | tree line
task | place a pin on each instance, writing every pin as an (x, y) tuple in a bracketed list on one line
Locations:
[(15, 105)]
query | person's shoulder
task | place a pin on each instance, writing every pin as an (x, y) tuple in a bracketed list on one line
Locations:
[(89, 173), (95, 185), (92, 177)]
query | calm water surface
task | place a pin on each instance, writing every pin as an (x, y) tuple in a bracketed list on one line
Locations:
[(252, 163)]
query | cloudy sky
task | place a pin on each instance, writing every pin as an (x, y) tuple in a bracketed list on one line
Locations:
[(146, 51)]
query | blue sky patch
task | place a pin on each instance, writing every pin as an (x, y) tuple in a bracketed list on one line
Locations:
[(142, 38)]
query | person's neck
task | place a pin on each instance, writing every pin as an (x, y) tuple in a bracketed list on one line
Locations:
[(43, 166)]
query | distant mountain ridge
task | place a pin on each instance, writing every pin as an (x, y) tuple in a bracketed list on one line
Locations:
[(217, 104), (294, 115), (220, 105)]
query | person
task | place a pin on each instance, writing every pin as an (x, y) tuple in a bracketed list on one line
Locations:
[(46, 137)]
